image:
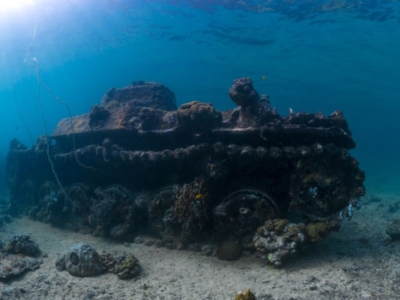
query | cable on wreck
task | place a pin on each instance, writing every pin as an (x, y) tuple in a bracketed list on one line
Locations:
[(21, 117), (34, 64)]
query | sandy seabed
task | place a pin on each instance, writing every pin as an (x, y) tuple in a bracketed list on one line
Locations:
[(354, 263)]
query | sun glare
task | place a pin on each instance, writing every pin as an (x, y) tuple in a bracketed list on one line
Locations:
[(7, 5)]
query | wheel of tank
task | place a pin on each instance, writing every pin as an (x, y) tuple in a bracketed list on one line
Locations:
[(79, 200), (48, 193), (113, 212), (159, 208), (323, 186), (243, 211), (114, 192), (27, 193), (52, 204)]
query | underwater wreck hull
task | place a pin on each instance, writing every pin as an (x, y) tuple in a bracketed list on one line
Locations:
[(189, 175)]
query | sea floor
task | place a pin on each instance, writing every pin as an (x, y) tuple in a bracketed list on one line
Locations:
[(357, 262)]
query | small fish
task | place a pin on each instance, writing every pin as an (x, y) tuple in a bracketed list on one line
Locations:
[(263, 77), (198, 196)]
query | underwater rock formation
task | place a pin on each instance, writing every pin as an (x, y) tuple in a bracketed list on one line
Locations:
[(21, 244), (138, 165), (279, 240), (17, 256), (14, 265), (243, 93), (316, 232), (125, 265), (198, 117), (141, 94), (80, 260)]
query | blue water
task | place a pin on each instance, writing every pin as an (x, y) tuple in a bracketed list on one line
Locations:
[(315, 56)]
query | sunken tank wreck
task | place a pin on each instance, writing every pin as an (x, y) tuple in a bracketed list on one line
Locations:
[(137, 165)]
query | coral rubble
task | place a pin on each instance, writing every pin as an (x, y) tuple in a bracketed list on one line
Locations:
[(82, 260), (279, 240), (245, 295), (17, 256)]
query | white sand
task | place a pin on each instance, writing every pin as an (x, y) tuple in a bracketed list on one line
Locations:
[(341, 267)]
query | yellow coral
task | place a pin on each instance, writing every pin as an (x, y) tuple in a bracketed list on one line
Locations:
[(316, 231), (246, 295)]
